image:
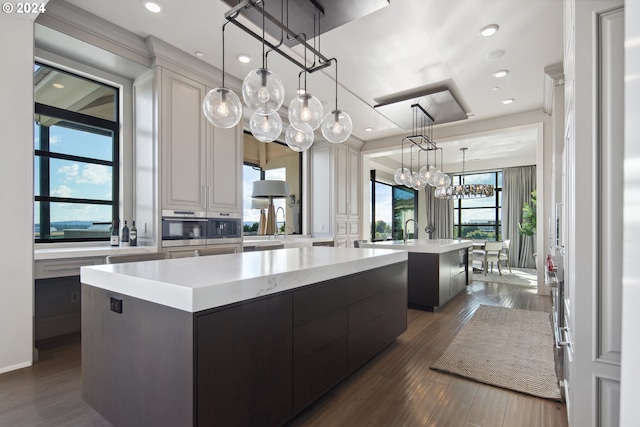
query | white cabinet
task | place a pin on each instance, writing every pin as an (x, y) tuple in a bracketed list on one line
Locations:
[(200, 163), (335, 192)]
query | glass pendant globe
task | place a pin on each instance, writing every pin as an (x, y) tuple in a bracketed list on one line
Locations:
[(305, 109), (439, 179), (431, 176), (299, 140), (398, 177), (336, 126), (222, 108), (447, 180), (266, 128), (422, 174), (407, 177), (420, 185), (263, 91)]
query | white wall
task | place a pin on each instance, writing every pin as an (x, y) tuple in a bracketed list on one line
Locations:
[(16, 191)]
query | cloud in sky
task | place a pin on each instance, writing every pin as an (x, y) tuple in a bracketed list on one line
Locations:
[(95, 174), (70, 172), (62, 191)]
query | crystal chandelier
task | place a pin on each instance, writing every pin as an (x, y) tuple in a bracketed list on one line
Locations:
[(464, 191), (263, 91), (422, 139)]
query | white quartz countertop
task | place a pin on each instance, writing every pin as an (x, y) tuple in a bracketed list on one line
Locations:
[(200, 283), (59, 252), (434, 246)]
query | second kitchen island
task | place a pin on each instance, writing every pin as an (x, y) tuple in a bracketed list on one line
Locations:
[(438, 269), (238, 339)]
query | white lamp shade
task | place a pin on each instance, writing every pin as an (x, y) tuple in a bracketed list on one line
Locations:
[(270, 188), (259, 203)]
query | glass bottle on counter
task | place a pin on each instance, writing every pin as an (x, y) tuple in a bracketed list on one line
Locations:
[(133, 234), (125, 234), (115, 236)]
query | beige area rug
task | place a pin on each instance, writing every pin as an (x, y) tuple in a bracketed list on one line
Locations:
[(519, 276), (505, 347)]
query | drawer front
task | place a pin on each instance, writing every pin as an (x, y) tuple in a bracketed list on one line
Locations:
[(361, 287), (315, 301), (364, 342), (315, 374), (318, 332), (364, 311), (64, 268)]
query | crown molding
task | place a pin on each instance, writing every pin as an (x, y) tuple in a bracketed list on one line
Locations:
[(553, 76)]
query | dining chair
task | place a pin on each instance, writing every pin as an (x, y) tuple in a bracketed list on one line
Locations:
[(492, 254), (504, 254)]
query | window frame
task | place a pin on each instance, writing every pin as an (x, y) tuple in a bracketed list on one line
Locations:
[(394, 230), (458, 207), (43, 155)]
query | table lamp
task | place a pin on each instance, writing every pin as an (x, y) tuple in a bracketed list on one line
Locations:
[(261, 204), (270, 189)]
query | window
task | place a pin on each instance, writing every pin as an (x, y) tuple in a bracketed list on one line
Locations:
[(75, 157), (479, 218), (391, 207), (273, 161)]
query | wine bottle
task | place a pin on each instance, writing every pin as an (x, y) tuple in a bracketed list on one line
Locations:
[(133, 234), (125, 234), (115, 236)]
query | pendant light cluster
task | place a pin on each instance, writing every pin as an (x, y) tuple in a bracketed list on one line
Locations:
[(422, 138), (464, 191), (263, 93)]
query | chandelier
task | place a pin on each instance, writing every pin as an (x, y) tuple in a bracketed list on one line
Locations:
[(462, 190), (263, 91), (422, 139)]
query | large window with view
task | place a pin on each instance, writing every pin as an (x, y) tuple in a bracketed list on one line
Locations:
[(273, 161), (479, 218), (391, 207), (75, 157)]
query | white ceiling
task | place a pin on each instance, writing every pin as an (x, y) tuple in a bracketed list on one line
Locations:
[(406, 46)]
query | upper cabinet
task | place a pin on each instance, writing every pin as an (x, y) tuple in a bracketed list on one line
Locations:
[(200, 163), (335, 177)]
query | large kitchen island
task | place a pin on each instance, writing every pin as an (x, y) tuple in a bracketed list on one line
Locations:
[(238, 339), (439, 269)]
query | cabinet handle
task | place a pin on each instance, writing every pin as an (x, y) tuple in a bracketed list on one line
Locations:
[(75, 267), (564, 342)]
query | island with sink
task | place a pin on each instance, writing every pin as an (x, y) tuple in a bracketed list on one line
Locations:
[(438, 269), (236, 339)]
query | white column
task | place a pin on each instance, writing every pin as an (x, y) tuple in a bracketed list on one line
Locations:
[(16, 191)]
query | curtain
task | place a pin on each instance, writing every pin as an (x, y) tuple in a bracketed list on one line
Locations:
[(439, 215), (517, 185)]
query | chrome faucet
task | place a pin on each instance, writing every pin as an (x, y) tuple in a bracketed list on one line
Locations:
[(284, 215), (416, 226)]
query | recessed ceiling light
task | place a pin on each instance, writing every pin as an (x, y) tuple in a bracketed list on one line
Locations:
[(368, 129), (496, 54), (153, 6), (508, 101), (58, 85), (244, 58), (495, 88), (500, 73), (199, 54), (489, 30)]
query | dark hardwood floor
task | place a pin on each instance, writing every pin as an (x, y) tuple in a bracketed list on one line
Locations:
[(396, 388)]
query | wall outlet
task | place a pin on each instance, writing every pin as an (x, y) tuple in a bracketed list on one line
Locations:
[(115, 304), (75, 296)]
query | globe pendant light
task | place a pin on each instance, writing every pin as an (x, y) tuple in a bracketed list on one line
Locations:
[(400, 175), (221, 106), (266, 128), (337, 125), (305, 109), (262, 89), (299, 140)]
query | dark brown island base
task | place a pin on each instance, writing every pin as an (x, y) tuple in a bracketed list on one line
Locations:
[(234, 340), (439, 269)]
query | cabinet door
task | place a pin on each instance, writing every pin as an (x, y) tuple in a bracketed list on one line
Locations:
[(244, 359), (182, 139), (224, 172), (342, 183), (354, 183)]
